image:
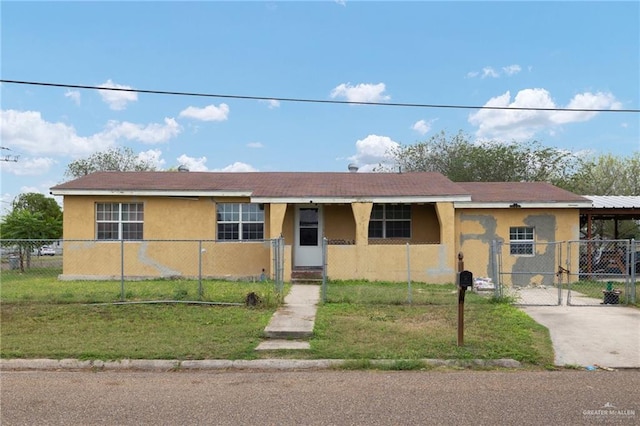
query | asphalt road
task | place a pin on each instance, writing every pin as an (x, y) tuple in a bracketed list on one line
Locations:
[(320, 398)]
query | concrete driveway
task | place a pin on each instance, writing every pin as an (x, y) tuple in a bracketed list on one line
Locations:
[(605, 335)]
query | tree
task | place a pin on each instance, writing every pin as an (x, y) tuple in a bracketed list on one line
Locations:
[(490, 161), (609, 175), (114, 159), (34, 220)]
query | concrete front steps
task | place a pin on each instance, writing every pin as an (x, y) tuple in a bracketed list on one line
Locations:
[(306, 275)]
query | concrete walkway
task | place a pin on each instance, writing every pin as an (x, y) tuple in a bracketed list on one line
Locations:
[(294, 321)]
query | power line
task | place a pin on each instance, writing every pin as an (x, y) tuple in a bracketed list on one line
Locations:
[(308, 100)]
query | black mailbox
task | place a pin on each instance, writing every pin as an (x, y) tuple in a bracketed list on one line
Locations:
[(465, 280)]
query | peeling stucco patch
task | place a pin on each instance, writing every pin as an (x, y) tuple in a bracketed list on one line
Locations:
[(539, 269), (490, 225), (443, 266), (162, 269)]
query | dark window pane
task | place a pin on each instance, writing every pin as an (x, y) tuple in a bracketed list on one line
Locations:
[(398, 211), (375, 229), (377, 212), (398, 229), (309, 217), (107, 231), (252, 231), (131, 231), (228, 231), (308, 236)]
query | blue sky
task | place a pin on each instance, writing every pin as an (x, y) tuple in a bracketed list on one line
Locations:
[(526, 54)]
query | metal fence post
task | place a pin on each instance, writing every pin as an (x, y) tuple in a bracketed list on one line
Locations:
[(324, 268), (122, 270), (409, 295), (497, 287), (200, 269)]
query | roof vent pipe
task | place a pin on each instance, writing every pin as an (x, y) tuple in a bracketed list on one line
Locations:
[(352, 168)]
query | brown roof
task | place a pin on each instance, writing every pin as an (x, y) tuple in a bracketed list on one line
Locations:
[(507, 192), (274, 184), (322, 184)]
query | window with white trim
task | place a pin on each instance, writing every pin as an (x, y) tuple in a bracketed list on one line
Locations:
[(521, 240), (240, 221), (390, 221), (119, 221)]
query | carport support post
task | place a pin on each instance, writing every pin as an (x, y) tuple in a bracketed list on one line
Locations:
[(461, 292)]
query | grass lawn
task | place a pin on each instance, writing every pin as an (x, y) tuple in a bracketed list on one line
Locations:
[(45, 318)]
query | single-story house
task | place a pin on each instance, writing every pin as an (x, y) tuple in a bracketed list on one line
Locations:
[(220, 224)]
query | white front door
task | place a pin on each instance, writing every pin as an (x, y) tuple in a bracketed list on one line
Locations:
[(308, 244)]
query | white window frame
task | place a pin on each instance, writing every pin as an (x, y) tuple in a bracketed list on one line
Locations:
[(385, 221), (119, 221), (522, 240), (241, 217)]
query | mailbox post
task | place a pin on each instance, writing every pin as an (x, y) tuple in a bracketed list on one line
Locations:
[(464, 280)]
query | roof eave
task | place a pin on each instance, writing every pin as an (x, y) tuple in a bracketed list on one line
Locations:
[(359, 199), (523, 205), (149, 193)]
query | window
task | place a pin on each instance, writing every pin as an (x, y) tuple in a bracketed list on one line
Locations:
[(240, 221), (119, 221), (390, 221), (522, 241)]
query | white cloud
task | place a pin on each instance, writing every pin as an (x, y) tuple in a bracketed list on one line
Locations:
[(29, 166), (362, 92), (27, 131), (271, 103), (193, 164), (524, 124), (152, 156), (74, 95), (237, 167), (151, 133), (372, 151), (117, 100), (586, 100), (489, 72), (208, 113), (255, 145), (422, 126), (512, 69)]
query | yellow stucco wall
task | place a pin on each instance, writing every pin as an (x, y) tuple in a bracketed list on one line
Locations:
[(424, 262), (168, 219), (470, 231), (477, 228), (339, 223)]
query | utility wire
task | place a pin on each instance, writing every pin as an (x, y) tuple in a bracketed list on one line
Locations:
[(306, 100)]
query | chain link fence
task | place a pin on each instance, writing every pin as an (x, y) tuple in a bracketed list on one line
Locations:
[(578, 273), (385, 273), (177, 269)]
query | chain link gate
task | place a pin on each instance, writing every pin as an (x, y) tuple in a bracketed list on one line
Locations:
[(529, 279), (605, 274), (582, 273)]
